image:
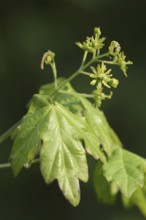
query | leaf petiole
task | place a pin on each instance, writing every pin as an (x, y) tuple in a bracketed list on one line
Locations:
[(8, 165), (54, 70), (84, 58)]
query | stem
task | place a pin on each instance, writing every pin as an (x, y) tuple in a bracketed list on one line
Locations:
[(94, 54), (54, 70), (84, 58), (8, 165), (65, 82), (87, 95), (85, 73), (93, 60), (5, 165), (108, 62), (4, 136)]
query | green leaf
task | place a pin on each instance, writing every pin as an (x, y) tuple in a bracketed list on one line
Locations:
[(62, 156), (69, 98), (102, 186), (138, 199), (98, 123), (92, 145), (37, 102), (125, 170), (56, 134), (98, 133)]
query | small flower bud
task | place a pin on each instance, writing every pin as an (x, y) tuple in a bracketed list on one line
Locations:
[(97, 31), (114, 82), (47, 58)]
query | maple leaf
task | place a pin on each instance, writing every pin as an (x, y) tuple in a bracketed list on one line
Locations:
[(62, 155)]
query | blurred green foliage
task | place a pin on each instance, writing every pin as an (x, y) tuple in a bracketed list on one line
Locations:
[(27, 30)]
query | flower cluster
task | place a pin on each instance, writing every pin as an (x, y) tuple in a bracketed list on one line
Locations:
[(93, 43), (102, 77)]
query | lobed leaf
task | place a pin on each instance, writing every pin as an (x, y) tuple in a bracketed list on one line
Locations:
[(56, 134), (125, 170)]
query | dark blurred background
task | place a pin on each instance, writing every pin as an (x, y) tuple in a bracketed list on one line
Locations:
[(27, 30)]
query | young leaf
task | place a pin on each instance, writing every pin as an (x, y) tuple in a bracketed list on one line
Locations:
[(62, 156), (125, 170)]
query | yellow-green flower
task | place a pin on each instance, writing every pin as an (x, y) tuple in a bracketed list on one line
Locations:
[(101, 75), (101, 78), (122, 63), (93, 43)]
